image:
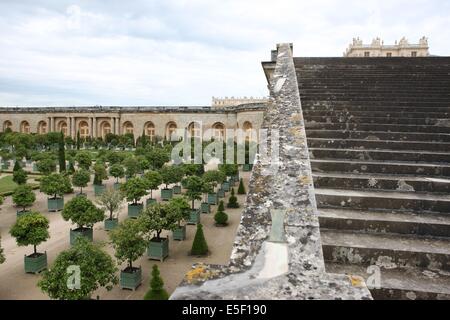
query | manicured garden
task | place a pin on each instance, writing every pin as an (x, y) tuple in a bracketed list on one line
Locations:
[(186, 196)]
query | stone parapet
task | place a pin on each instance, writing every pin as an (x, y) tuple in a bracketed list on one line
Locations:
[(277, 253)]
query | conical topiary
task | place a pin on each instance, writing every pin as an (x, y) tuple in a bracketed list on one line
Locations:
[(221, 217), (17, 166), (241, 189), (199, 246), (233, 201), (157, 291)]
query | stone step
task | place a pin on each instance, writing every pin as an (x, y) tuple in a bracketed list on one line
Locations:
[(364, 108), (379, 155), (376, 135), (311, 101), (382, 200), (400, 284), (443, 128), (377, 120), (377, 114), (378, 144), (381, 182), (421, 224), (385, 250)]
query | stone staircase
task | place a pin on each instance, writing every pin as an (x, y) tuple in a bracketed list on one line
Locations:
[(378, 130)]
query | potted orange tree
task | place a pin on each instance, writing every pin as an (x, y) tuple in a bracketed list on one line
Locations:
[(181, 210), (32, 229), (111, 201), (168, 177), (82, 212), (134, 189), (155, 219), (194, 187), (153, 180), (55, 185), (23, 197), (129, 244)]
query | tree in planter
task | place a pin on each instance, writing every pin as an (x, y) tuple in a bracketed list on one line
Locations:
[(84, 159), (55, 186), (233, 201), (81, 179), (117, 171), (134, 189), (100, 174), (168, 175), (229, 169), (23, 197), (158, 157), (157, 291), (31, 229), (20, 176), (129, 245), (178, 173), (194, 186), (181, 211), (221, 217), (82, 212), (61, 154), (46, 165), (131, 166), (214, 177), (97, 269), (241, 189), (153, 180), (154, 219), (78, 140), (111, 201), (199, 246)]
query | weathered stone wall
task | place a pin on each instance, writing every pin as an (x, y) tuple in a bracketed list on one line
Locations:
[(280, 257)]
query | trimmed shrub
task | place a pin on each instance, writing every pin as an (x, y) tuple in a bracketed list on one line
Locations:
[(157, 291), (199, 246), (233, 201)]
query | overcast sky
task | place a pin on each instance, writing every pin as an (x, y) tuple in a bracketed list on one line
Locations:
[(183, 52)]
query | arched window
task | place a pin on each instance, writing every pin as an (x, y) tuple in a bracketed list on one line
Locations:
[(218, 131), (42, 127), (24, 127), (7, 125), (194, 130), (248, 130), (150, 130), (62, 127), (171, 130), (83, 128), (105, 128), (128, 128)]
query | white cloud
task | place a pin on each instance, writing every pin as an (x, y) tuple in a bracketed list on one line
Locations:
[(183, 52)]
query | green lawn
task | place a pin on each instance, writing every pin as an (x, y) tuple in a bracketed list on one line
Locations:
[(7, 184)]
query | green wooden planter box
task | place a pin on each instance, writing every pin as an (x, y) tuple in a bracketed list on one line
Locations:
[(131, 280), (212, 198), (55, 205), (5, 165), (179, 233), (35, 264), (194, 217), (205, 207), (225, 186), (99, 190), (221, 193), (87, 233), (116, 186), (247, 167), (176, 190), (35, 168), (150, 201), (111, 224), (158, 250), (166, 194), (22, 213), (232, 182), (135, 210)]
